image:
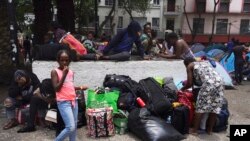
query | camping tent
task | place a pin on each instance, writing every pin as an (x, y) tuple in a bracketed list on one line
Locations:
[(197, 47), (229, 65), (215, 46), (216, 53), (228, 82)]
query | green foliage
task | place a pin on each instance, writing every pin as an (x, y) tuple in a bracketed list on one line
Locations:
[(140, 6), (84, 12), (22, 7)]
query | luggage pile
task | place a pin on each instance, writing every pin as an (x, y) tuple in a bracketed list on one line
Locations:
[(142, 108)]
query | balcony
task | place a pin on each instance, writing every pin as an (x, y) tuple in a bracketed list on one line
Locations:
[(172, 10)]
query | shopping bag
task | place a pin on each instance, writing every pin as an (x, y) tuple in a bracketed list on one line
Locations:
[(100, 122), (51, 115), (107, 99)]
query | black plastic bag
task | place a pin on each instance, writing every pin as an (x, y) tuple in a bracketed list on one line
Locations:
[(151, 128)]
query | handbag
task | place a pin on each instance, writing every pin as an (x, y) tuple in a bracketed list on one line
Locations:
[(51, 115)]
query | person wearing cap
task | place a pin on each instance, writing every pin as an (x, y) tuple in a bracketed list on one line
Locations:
[(121, 44)]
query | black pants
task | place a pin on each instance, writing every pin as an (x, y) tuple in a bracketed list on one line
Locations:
[(238, 66), (90, 56), (27, 52), (36, 104), (122, 56)]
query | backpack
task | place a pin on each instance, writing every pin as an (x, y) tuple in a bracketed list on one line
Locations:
[(127, 101), (180, 119), (154, 97), (222, 118), (47, 89)]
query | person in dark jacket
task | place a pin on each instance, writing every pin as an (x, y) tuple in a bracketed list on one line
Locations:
[(20, 93), (239, 61), (27, 49), (121, 44)]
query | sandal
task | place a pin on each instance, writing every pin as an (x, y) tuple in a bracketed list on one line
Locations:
[(10, 124), (193, 133)]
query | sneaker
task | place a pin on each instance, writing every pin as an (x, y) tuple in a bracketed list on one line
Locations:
[(201, 131)]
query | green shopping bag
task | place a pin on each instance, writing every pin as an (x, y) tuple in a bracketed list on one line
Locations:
[(108, 99), (159, 80)]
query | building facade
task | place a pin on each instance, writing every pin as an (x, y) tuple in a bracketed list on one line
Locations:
[(232, 20), (163, 15)]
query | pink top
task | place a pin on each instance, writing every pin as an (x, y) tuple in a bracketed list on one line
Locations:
[(67, 91)]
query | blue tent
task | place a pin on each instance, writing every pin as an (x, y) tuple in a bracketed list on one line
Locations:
[(229, 65), (224, 74), (200, 54), (215, 53)]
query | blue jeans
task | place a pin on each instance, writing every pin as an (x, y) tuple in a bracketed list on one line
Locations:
[(69, 115), (11, 111)]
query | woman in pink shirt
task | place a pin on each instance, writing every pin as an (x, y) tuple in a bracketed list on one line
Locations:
[(62, 79)]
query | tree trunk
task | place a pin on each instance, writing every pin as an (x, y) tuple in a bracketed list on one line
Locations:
[(189, 26), (107, 19), (66, 14), (6, 66), (216, 2), (43, 18), (115, 19)]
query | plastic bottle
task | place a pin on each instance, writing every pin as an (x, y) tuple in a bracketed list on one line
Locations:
[(140, 102), (169, 119)]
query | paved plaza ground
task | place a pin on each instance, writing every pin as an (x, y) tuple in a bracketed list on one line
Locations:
[(238, 99)]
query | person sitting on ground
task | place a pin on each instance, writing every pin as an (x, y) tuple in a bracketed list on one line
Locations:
[(89, 43), (166, 47), (210, 96), (181, 49), (146, 38), (20, 93), (121, 44), (62, 37), (42, 96)]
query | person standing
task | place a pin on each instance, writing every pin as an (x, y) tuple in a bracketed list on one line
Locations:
[(27, 49), (239, 61), (210, 96), (62, 80)]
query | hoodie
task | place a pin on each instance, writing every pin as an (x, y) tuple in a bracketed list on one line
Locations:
[(123, 41)]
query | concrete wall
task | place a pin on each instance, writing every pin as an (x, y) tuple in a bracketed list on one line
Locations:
[(92, 73)]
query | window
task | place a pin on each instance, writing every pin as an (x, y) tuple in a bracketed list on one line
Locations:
[(224, 6), (221, 26), (171, 5), (109, 22), (155, 23), (170, 24), (246, 7), (120, 22), (245, 26), (156, 2), (109, 2), (198, 25), (201, 6)]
